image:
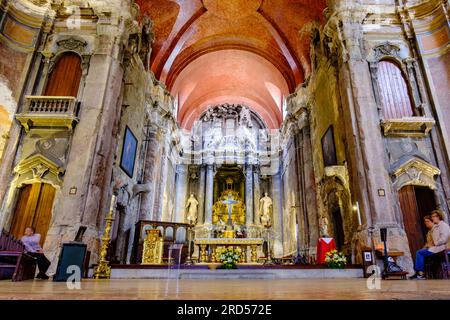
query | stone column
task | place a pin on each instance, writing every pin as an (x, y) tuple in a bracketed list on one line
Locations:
[(209, 193), (147, 198), (201, 195), (181, 181), (160, 185), (277, 214), (256, 196), (249, 194)]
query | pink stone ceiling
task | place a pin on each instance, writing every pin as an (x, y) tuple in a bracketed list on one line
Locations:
[(266, 34)]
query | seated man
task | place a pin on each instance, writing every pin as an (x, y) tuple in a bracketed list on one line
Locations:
[(440, 236), (31, 241)]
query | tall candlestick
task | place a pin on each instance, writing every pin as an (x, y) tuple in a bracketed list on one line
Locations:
[(103, 270)]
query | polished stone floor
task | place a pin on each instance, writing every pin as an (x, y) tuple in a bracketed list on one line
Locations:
[(227, 289)]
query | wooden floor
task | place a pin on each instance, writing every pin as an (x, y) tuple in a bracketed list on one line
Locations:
[(226, 289)]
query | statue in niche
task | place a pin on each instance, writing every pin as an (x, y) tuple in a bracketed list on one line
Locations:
[(147, 38), (323, 226), (214, 133), (192, 207), (245, 118), (244, 132), (265, 209)]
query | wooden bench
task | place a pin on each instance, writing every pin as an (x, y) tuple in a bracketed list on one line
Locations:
[(437, 266), (393, 254), (15, 264)]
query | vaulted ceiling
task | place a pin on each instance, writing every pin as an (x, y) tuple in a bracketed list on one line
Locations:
[(237, 51)]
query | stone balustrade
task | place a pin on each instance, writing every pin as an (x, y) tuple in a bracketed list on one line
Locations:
[(49, 112), (42, 104)]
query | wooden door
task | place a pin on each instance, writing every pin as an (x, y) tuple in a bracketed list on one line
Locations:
[(412, 219), (65, 77), (426, 203), (33, 208)]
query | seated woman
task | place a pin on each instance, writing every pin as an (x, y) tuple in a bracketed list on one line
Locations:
[(440, 233), (428, 221), (31, 241)]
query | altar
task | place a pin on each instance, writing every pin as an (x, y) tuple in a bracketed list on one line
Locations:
[(214, 243)]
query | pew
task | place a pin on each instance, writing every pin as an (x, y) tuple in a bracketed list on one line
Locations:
[(437, 266), (15, 263)]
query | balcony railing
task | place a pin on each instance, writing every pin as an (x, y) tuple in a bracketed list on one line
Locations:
[(50, 112)]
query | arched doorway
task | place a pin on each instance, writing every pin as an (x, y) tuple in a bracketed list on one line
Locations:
[(416, 202), (338, 228), (33, 208)]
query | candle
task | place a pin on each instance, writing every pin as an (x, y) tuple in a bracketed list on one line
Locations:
[(358, 212), (113, 203)]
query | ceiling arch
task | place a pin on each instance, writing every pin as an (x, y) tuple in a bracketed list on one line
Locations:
[(230, 76), (270, 30)]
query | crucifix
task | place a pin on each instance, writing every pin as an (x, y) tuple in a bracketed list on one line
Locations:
[(229, 202)]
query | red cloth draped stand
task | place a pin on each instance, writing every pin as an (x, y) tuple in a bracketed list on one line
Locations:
[(324, 245)]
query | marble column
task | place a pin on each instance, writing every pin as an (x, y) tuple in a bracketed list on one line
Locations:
[(201, 195), (277, 214), (181, 181), (249, 194), (256, 196), (147, 198), (209, 193), (161, 183)]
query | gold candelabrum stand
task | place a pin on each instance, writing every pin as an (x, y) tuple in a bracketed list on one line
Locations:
[(103, 269)]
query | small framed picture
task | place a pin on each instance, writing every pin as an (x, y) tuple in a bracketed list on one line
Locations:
[(367, 256), (129, 149)]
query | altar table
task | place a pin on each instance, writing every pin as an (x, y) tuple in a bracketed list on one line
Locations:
[(324, 245), (213, 243)]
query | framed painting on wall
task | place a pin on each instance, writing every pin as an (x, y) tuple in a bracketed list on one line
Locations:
[(329, 148), (129, 149)]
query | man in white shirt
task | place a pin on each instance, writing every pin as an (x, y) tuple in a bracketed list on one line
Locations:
[(33, 248)]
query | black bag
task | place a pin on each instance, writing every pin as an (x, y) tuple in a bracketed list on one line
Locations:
[(392, 266)]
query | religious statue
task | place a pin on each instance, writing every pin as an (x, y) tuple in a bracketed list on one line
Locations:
[(323, 225), (147, 38), (245, 118), (265, 207), (192, 207), (221, 226), (214, 134)]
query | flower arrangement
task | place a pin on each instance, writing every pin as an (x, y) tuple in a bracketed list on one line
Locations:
[(229, 257), (335, 259)]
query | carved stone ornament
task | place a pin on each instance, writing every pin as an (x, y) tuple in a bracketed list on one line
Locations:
[(39, 170), (416, 172), (72, 44), (386, 49)]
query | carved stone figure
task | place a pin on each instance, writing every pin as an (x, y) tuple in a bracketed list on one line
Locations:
[(214, 134), (192, 207), (147, 38), (265, 209), (323, 225), (246, 119)]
